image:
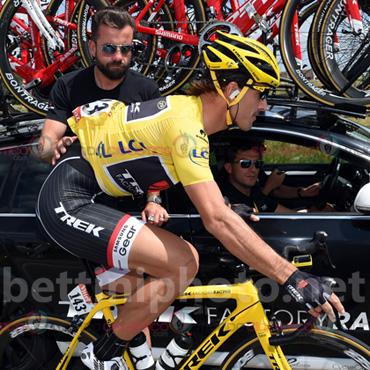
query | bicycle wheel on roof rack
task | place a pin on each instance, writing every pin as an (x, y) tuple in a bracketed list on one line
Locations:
[(29, 67), (17, 58), (313, 89), (67, 30), (169, 62), (345, 57)]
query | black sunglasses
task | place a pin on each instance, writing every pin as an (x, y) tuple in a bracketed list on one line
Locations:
[(112, 49), (261, 89), (246, 163)]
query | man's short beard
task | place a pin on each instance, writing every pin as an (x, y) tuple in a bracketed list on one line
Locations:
[(112, 74)]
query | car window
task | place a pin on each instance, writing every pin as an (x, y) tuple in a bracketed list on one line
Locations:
[(34, 173), (21, 177), (282, 152)]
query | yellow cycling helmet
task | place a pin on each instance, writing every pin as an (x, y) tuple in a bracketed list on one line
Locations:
[(250, 57)]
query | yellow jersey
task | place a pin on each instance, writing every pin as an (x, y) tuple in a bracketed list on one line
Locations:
[(147, 146)]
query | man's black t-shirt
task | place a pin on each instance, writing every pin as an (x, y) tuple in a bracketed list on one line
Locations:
[(257, 199), (79, 87)]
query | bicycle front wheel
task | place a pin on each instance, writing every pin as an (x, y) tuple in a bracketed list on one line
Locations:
[(31, 341), (318, 349)]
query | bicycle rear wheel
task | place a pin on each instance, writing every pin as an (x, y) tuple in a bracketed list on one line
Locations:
[(318, 349), (345, 59), (32, 341), (313, 89)]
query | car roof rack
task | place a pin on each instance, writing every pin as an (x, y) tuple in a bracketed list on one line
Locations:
[(355, 111), (20, 124)]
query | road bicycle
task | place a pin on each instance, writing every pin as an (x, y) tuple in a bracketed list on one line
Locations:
[(172, 33), (264, 343), (171, 36)]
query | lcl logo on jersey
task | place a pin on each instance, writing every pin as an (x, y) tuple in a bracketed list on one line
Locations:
[(198, 155)]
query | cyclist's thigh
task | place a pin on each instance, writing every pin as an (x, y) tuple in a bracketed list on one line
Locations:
[(70, 219), (161, 252)]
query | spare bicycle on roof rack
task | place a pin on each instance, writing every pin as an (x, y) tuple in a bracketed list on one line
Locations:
[(172, 33), (39, 43)]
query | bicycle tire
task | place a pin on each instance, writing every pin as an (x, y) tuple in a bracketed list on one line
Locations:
[(311, 350), (170, 74), (318, 93), (307, 15), (338, 61), (31, 341), (68, 34), (32, 97)]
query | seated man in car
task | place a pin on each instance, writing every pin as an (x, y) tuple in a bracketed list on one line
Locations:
[(242, 165)]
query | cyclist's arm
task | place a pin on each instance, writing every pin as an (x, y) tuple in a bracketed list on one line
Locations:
[(51, 133), (241, 240)]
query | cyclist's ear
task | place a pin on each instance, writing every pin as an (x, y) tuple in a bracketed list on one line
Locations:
[(230, 90)]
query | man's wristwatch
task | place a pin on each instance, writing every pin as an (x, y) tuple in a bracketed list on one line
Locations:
[(156, 199)]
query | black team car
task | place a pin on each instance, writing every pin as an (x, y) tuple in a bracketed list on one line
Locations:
[(309, 145)]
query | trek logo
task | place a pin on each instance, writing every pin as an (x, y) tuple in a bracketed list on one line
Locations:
[(294, 293), (207, 347), (128, 183), (77, 223)]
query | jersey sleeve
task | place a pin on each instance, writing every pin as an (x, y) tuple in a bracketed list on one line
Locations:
[(190, 151)]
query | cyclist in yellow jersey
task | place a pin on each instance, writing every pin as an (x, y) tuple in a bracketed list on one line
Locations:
[(152, 145)]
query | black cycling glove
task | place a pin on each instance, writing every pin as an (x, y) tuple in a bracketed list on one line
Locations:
[(244, 211), (307, 290)]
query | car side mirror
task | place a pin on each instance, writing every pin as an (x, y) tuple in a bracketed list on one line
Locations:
[(362, 201)]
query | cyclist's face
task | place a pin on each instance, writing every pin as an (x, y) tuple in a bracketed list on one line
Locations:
[(249, 107), (112, 65)]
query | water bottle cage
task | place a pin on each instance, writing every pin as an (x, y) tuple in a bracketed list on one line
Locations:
[(173, 357)]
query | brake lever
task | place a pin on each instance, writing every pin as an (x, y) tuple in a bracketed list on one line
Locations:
[(327, 258)]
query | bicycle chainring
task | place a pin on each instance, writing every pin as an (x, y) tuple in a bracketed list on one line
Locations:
[(208, 33), (177, 57)]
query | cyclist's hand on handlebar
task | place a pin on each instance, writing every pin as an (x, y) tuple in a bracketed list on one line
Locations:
[(154, 214), (311, 294), (61, 147)]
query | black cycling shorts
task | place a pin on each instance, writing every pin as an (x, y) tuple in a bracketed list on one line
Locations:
[(71, 219)]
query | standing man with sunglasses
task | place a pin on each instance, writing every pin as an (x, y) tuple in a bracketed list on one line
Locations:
[(111, 45)]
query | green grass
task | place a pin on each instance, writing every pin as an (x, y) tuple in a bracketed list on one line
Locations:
[(279, 152)]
